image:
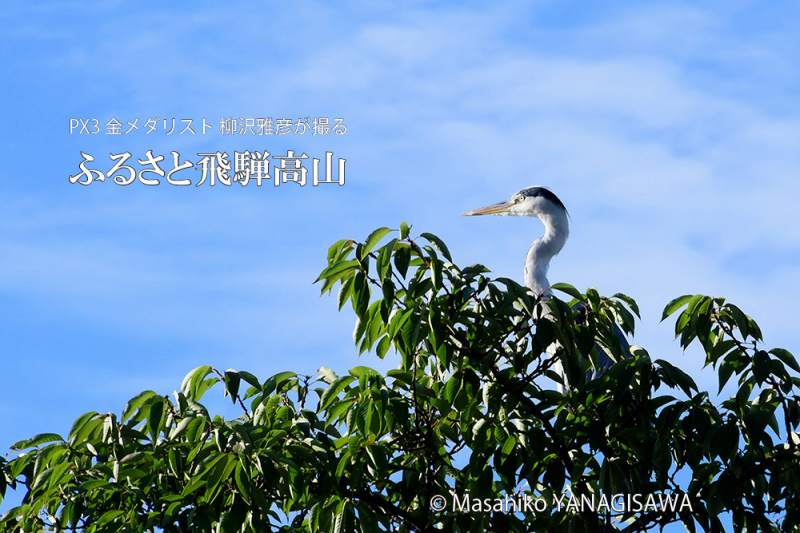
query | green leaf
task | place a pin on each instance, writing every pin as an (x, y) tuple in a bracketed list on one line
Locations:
[(360, 294), (566, 288), (109, 516), (363, 372), (336, 272), (250, 378), (275, 382), (672, 375), (332, 392), (787, 358), (438, 243), (217, 476), (404, 230), (155, 417), (452, 387), (383, 346), (191, 385), (373, 239), (727, 438), (508, 445), (83, 426), (675, 304), (243, 483), (629, 301), (41, 438), (345, 292), (383, 265), (761, 366), (232, 381), (339, 248), (742, 320), (193, 485), (59, 472), (402, 257), (436, 274), (338, 523), (725, 371), (135, 403), (398, 322)]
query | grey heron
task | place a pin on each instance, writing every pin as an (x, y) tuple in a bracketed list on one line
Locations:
[(542, 203)]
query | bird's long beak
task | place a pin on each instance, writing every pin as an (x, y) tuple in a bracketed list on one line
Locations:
[(495, 209)]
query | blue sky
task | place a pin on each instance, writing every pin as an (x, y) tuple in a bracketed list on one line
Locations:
[(670, 130)]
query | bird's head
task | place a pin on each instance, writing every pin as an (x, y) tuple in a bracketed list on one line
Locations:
[(529, 202)]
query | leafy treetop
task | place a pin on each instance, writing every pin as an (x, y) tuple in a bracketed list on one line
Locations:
[(470, 409)]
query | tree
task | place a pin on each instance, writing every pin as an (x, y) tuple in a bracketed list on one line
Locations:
[(468, 417)]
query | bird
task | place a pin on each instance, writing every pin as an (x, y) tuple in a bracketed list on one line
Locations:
[(542, 203)]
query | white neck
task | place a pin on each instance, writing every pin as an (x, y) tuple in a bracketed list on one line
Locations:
[(556, 231)]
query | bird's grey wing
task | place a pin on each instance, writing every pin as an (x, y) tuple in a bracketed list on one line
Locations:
[(602, 359)]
